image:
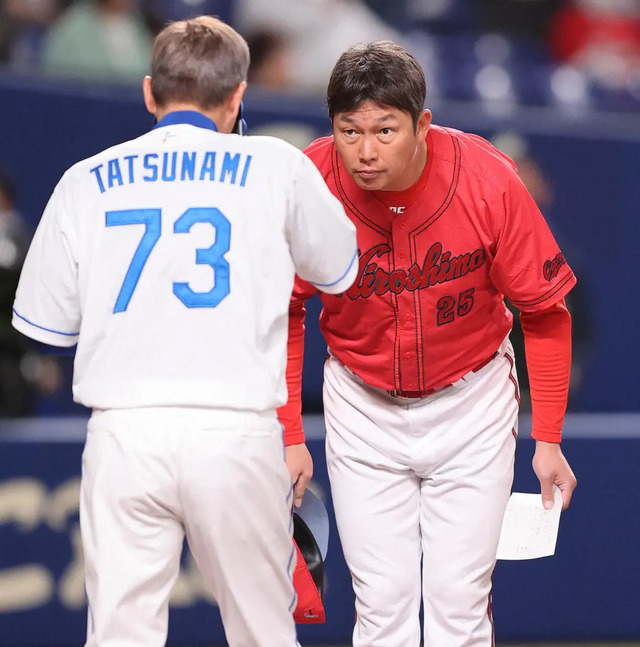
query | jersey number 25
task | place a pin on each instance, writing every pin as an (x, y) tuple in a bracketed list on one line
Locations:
[(213, 256)]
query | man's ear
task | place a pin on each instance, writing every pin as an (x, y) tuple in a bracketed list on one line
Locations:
[(234, 100), (149, 100), (424, 123), (237, 96)]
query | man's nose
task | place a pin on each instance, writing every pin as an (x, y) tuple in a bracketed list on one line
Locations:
[(368, 149)]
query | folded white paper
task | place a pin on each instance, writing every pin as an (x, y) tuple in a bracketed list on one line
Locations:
[(528, 530)]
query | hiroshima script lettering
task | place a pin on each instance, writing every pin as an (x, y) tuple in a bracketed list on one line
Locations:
[(438, 267)]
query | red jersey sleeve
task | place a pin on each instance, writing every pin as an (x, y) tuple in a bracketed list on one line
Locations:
[(528, 267), (547, 339), (290, 414)]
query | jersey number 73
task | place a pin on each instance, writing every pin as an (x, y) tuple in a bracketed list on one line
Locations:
[(213, 256)]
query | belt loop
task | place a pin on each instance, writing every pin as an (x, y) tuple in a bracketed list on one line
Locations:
[(504, 346), (471, 376), (462, 382)]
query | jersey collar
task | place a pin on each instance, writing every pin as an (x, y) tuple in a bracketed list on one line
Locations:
[(190, 117)]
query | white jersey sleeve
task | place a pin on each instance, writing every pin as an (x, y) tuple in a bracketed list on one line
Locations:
[(47, 306), (322, 239)]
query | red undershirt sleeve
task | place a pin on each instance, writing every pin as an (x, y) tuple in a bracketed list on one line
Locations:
[(290, 414), (547, 340)]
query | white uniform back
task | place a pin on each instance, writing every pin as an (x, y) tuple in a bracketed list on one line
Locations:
[(170, 260)]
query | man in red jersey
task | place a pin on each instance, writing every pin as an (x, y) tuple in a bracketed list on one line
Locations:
[(420, 391)]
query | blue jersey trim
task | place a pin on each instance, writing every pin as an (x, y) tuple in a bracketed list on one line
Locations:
[(57, 332), (328, 285), (186, 117)]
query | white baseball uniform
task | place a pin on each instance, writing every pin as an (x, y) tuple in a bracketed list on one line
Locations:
[(170, 261)]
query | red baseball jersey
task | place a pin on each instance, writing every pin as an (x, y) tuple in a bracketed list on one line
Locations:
[(436, 262)]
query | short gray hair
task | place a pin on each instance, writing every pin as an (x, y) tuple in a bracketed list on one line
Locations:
[(199, 61)]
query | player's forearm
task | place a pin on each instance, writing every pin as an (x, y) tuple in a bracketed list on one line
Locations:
[(290, 414), (547, 338)]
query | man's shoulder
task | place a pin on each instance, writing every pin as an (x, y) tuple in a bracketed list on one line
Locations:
[(474, 152), (280, 153), (275, 145), (319, 150), (117, 150)]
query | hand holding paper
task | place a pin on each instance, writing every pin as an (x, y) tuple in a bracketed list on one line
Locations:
[(528, 530), (552, 468)]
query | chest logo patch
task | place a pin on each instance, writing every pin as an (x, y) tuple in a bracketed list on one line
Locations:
[(438, 267)]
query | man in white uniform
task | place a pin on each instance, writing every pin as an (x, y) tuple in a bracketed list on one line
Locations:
[(170, 261)]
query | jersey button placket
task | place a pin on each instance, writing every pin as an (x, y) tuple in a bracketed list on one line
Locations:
[(408, 321), (406, 315)]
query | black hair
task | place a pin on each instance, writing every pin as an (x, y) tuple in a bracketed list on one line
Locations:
[(383, 72)]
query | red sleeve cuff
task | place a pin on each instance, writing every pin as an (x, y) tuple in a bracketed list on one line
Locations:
[(294, 438), (546, 436)]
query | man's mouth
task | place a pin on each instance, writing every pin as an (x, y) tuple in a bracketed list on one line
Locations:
[(368, 174)]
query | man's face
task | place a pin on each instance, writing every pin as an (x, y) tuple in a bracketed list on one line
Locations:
[(379, 146)]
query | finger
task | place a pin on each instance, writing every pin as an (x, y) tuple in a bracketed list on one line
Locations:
[(567, 493), (547, 494), (294, 473), (298, 494), (300, 487)]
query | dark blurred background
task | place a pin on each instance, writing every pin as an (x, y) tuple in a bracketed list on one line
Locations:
[(555, 84)]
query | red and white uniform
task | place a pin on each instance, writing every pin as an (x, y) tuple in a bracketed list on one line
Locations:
[(420, 390)]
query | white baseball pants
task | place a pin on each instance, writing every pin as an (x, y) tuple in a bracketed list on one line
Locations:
[(150, 477), (422, 482)]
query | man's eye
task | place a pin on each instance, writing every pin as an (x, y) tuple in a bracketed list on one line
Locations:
[(386, 131)]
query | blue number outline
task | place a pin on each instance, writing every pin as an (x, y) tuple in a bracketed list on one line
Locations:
[(212, 256), (152, 220)]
